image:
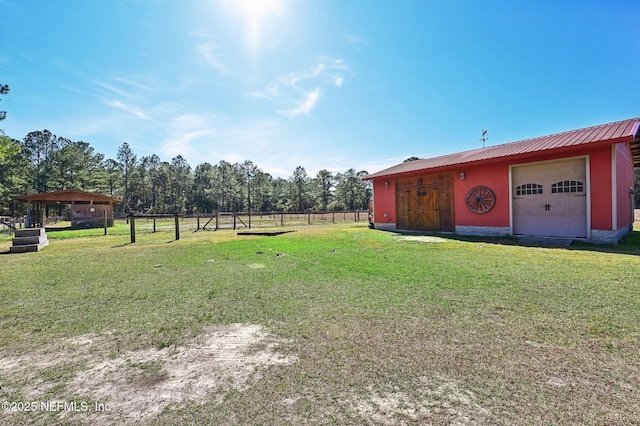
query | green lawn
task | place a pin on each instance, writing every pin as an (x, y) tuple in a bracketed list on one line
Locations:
[(378, 330)]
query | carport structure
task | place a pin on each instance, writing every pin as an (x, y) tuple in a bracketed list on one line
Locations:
[(88, 209)]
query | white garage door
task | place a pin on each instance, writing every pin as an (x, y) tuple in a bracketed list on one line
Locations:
[(550, 199)]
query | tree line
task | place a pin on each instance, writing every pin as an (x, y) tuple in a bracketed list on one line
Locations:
[(44, 162)]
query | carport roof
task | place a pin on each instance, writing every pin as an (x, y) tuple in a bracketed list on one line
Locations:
[(603, 134), (68, 197)]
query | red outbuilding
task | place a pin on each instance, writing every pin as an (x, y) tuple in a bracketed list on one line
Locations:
[(576, 184)]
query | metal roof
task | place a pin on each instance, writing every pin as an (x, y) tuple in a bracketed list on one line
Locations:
[(603, 134), (69, 196)]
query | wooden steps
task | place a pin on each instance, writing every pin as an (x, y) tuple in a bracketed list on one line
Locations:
[(28, 240)]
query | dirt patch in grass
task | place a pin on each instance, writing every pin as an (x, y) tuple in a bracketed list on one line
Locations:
[(424, 400), (137, 385), (432, 401), (423, 239), (255, 266)]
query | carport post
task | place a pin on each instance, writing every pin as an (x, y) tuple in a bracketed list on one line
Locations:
[(177, 227)]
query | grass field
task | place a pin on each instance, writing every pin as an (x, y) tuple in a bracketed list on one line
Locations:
[(334, 324)]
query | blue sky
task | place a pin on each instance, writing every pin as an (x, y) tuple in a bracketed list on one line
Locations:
[(333, 84)]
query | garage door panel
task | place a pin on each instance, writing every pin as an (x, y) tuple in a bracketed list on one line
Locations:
[(532, 226), (550, 199)]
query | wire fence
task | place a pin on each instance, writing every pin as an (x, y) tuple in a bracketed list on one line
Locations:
[(229, 220), (8, 225), (241, 221)]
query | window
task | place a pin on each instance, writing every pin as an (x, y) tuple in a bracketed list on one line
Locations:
[(567, 186), (529, 189)]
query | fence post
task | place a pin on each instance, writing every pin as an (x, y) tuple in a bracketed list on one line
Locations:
[(198, 221), (177, 227), (333, 216), (217, 217), (154, 225), (234, 220), (282, 218), (105, 222), (357, 215), (132, 228), (309, 219)]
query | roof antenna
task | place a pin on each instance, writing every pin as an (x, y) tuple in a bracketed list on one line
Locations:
[(484, 137)]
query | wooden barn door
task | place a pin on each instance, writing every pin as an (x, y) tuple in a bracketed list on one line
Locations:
[(425, 203), (422, 211)]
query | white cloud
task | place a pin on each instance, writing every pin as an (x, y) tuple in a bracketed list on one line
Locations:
[(132, 109), (113, 89), (306, 106), (183, 144), (297, 93), (120, 98), (135, 84), (204, 138), (187, 135), (208, 52)]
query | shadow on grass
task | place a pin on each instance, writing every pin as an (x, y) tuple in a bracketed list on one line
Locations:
[(61, 228), (630, 244)]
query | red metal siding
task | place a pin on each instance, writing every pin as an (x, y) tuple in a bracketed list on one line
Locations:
[(494, 176), (601, 197), (384, 201), (624, 178)]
